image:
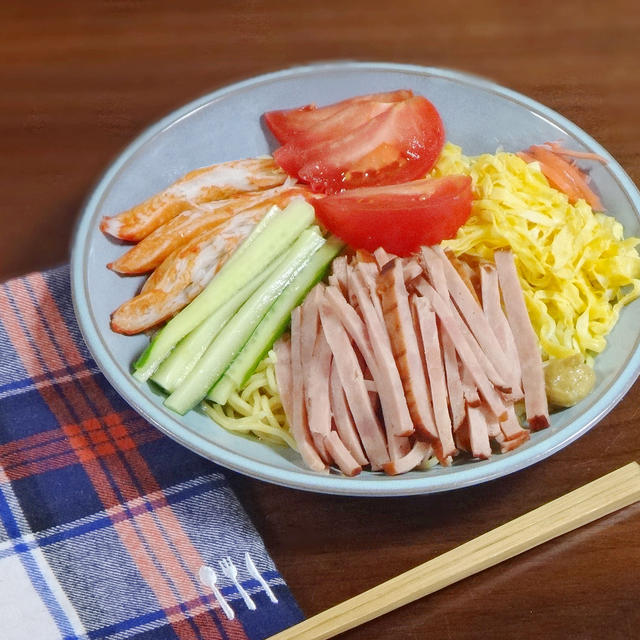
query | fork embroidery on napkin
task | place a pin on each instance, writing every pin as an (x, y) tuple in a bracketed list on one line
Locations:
[(104, 522)]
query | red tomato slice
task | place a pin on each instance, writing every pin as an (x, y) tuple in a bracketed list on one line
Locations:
[(400, 218), (303, 147), (401, 144), (288, 123)]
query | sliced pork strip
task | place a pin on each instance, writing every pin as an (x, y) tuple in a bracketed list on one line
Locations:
[(310, 327), (282, 349), (472, 313), (493, 426), (217, 182), (361, 255), (511, 427), (433, 266), (354, 325), (435, 370), (510, 445), (469, 389), (342, 418), (316, 392), (369, 275), (495, 315), (454, 383), (341, 455), (404, 344), (461, 436), (464, 271), (382, 256), (535, 399), (480, 355), (350, 373), (152, 250), (394, 404), (412, 270), (478, 433), (298, 418), (183, 275), (445, 311), (411, 460), (339, 272)]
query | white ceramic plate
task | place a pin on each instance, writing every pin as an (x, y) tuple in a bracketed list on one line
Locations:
[(226, 125)]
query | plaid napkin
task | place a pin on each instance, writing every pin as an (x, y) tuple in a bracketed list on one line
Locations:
[(104, 522)]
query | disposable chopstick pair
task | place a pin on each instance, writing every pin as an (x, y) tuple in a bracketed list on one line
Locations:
[(599, 498)]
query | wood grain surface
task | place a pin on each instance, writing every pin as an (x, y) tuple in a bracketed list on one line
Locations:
[(78, 80)]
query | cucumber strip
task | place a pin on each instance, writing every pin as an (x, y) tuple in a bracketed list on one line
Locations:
[(264, 246), (175, 367), (274, 322), (228, 343)]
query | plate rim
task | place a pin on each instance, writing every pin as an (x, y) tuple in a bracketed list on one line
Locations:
[(366, 486)]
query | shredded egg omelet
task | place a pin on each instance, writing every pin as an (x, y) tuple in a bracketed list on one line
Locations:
[(576, 268)]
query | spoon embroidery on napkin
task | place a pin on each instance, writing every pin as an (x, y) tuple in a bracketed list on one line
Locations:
[(209, 577)]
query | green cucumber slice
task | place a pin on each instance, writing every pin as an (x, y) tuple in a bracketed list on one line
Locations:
[(228, 343), (175, 367), (264, 246), (274, 322)]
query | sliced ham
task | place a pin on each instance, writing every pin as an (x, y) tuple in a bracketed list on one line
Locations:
[(477, 322), (495, 315), (282, 349), (411, 460), (510, 445), (478, 433), (454, 383), (341, 455), (382, 256), (445, 312), (338, 275), (404, 344), (479, 354), (511, 428), (298, 418), (310, 324), (392, 398), (342, 419), (391, 407), (412, 270), (352, 323), (316, 394), (350, 374), (535, 399), (433, 266), (369, 275), (435, 370), (469, 389)]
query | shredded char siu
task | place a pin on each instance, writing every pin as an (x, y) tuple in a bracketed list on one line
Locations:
[(400, 360)]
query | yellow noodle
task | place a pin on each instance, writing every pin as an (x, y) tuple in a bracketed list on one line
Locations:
[(256, 408), (576, 268)]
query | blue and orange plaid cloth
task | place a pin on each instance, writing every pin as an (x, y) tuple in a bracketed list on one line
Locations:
[(105, 522)]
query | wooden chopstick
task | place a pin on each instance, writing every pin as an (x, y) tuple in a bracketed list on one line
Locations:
[(599, 498)]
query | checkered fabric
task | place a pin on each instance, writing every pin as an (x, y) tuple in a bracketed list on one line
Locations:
[(104, 522)]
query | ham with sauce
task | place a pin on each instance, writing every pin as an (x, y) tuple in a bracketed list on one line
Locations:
[(217, 182), (189, 224)]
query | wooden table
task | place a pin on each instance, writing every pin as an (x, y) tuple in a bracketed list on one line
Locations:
[(78, 81)]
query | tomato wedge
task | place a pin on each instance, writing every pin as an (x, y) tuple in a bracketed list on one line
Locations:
[(398, 145), (400, 218), (306, 145), (288, 123)]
